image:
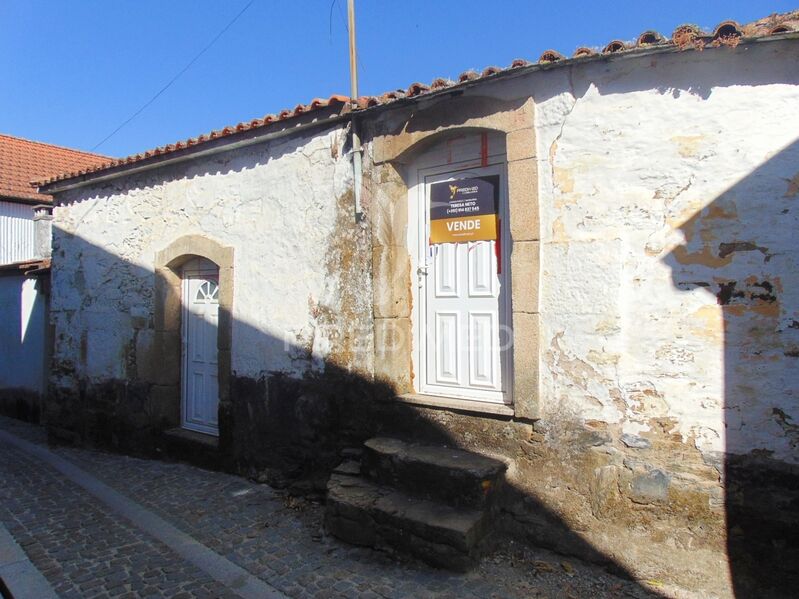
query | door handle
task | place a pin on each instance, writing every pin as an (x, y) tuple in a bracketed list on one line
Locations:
[(420, 273)]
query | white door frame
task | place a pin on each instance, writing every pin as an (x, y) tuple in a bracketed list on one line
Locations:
[(198, 268), (418, 235)]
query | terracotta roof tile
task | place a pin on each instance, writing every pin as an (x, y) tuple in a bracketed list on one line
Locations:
[(727, 29), (469, 75), (416, 89), (550, 56), (614, 46), (488, 71), (583, 51), (22, 161), (684, 37), (685, 34), (440, 83), (649, 38)]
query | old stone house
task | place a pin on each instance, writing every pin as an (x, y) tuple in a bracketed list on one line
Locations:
[(25, 235), (619, 338)]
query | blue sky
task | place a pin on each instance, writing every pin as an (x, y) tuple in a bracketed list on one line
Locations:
[(72, 71)]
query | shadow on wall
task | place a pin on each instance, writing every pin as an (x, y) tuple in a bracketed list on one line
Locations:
[(275, 428), (745, 255), (670, 74), (23, 345)]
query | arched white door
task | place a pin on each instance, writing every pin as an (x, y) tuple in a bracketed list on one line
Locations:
[(200, 378)]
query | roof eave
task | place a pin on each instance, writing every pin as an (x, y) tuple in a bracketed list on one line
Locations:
[(326, 116), (317, 118), (510, 73), (30, 201)]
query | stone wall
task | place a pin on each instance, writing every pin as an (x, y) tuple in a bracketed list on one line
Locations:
[(666, 194), (665, 184), (299, 305), (667, 187)]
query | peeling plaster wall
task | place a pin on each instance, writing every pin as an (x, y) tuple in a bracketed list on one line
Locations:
[(666, 182), (284, 207)]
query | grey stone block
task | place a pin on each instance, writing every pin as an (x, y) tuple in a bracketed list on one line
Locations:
[(635, 442), (652, 487)]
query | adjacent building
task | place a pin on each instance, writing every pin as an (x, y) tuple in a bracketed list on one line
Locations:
[(25, 231)]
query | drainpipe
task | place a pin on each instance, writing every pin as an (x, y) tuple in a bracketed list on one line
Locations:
[(357, 159)]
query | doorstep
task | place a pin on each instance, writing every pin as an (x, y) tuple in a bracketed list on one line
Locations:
[(208, 441), (193, 447), (456, 403)]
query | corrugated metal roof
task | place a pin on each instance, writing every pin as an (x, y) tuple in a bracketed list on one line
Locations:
[(685, 37)]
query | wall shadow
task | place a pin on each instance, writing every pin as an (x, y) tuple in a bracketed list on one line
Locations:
[(675, 75), (285, 430), (745, 255), (23, 344)]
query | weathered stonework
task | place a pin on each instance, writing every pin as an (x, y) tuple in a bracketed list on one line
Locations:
[(118, 313), (397, 140)]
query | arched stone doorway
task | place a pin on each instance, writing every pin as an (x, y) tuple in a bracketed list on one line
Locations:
[(194, 288), (398, 145)]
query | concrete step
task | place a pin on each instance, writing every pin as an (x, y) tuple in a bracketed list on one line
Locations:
[(453, 476), (361, 512)]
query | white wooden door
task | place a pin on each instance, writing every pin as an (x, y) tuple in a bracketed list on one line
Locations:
[(200, 383), (465, 339)]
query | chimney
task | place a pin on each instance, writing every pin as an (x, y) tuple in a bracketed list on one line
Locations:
[(42, 230)]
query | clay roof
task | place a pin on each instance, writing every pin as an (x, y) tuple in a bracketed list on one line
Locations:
[(684, 37), (22, 161)]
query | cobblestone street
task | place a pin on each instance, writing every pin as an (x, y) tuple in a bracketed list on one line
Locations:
[(85, 548)]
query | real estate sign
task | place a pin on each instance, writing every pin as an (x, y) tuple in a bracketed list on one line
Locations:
[(464, 210)]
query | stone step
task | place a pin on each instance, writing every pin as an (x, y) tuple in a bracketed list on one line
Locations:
[(453, 476), (192, 447), (361, 512)]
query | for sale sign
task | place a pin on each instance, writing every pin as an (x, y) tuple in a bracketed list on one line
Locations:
[(464, 210)]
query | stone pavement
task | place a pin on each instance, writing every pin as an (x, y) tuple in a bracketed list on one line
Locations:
[(86, 547)]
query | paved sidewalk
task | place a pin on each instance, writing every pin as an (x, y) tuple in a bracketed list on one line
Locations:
[(85, 548)]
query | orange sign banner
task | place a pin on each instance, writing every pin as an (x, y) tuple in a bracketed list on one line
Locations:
[(464, 210), (464, 228)]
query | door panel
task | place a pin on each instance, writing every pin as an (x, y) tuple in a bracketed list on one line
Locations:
[(446, 271), (197, 394), (482, 269), (447, 356), (482, 335)]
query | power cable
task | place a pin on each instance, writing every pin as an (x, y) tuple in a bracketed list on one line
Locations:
[(176, 77)]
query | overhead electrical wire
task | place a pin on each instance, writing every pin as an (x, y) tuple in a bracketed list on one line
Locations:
[(177, 76)]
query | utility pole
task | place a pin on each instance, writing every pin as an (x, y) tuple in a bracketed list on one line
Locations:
[(357, 164)]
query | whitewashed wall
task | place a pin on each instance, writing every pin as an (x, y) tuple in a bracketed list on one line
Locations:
[(277, 204), (637, 158), (646, 167), (16, 232)]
